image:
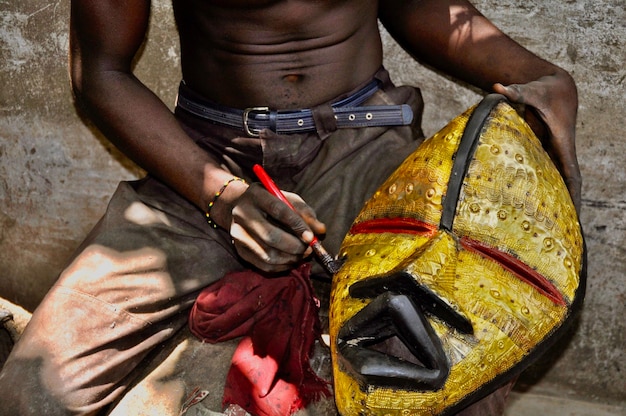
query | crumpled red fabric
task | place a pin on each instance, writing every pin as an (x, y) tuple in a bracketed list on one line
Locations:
[(278, 319)]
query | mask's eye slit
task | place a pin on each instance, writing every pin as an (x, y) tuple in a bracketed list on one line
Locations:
[(398, 225), (521, 270)]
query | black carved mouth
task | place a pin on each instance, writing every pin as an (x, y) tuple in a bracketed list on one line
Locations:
[(387, 317)]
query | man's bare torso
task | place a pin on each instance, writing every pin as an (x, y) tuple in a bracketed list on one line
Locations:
[(277, 53)]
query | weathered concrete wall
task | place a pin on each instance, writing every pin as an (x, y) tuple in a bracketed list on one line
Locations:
[(57, 173)]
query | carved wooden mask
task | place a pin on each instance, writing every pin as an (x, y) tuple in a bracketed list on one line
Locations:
[(469, 261)]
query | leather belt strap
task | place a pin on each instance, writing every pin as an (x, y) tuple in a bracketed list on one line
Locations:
[(348, 113)]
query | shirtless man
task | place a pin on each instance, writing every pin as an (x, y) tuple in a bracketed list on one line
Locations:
[(137, 274)]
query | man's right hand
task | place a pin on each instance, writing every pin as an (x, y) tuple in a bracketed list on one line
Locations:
[(267, 233)]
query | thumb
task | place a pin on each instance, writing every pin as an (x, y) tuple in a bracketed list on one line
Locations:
[(515, 94), (512, 92)]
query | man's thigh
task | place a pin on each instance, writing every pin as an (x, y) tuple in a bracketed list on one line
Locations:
[(127, 291)]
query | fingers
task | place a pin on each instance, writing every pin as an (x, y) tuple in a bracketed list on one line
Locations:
[(573, 180), (307, 214), (261, 255), (554, 101), (267, 233), (290, 219)]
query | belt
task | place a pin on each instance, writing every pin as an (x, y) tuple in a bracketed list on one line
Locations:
[(348, 113)]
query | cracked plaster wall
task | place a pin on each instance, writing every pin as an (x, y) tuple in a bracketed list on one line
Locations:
[(57, 172)]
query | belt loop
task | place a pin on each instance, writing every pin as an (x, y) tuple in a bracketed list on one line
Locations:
[(324, 119), (382, 75), (273, 116)]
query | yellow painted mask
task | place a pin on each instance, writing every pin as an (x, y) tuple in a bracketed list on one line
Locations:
[(469, 260)]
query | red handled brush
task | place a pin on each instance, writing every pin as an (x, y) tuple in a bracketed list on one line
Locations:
[(326, 259)]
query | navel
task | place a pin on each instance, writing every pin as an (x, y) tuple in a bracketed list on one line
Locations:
[(293, 78)]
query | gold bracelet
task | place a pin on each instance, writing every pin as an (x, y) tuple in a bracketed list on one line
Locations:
[(217, 195)]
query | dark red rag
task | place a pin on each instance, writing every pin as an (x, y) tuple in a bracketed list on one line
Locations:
[(270, 372)]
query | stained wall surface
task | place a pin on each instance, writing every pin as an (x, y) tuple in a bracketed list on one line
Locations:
[(57, 172)]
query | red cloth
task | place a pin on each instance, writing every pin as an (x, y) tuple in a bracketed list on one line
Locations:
[(278, 318)]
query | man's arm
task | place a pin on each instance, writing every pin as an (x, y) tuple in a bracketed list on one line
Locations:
[(105, 35), (452, 36)]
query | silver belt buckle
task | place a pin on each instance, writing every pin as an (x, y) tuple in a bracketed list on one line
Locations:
[(246, 115)]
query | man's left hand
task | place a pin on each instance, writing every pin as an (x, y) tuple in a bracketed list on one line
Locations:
[(554, 100)]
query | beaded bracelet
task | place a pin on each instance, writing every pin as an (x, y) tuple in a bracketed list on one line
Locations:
[(217, 195)]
